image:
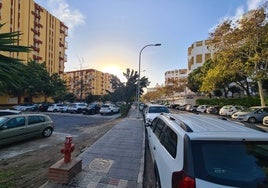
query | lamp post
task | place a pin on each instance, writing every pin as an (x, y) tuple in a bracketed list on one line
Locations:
[(138, 85)]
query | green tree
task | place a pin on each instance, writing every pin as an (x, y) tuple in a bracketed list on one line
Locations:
[(243, 47), (195, 80), (127, 91), (38, 80), (57, 89), (10, 67)]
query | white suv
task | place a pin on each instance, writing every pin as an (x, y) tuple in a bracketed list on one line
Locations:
[(54, 107), (109, 109), (77, 107), (197, 151)]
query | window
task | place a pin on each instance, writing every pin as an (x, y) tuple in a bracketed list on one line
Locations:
[(199, 58), (15, 122), (158, 128), (199, 43), (169, 141), (35, 119), (154, 123), (234, 163)]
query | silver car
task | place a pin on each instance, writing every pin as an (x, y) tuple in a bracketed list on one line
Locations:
[(14, 128), (253, 115)]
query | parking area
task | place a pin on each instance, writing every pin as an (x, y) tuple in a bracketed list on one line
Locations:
[(66, 124)]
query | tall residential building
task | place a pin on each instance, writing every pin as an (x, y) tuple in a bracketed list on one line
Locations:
[(178, 75), (198, 53), (88, 81), (40, 30)]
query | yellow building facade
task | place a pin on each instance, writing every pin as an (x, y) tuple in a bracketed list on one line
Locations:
[(41, 31), (88, 81)]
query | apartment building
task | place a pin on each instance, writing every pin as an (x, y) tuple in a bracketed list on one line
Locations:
[(87, 81), (178, 75), (40, 30), (198, 53)]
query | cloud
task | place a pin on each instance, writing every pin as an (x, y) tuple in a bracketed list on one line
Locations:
[(253, 4), (71, 18)]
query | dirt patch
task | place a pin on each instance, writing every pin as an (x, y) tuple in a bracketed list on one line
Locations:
[(31, 169)]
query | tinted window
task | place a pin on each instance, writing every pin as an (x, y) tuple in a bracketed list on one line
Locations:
[(238, 164), (15, 122), (158, 109), (169, 141), (35, 119), (158, 127), (154, 123)]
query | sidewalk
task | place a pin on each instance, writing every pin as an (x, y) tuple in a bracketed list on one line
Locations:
[(116, 160)]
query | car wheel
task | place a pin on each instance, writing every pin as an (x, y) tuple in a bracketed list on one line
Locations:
[(157, 178), (47, 132), (252, 120)]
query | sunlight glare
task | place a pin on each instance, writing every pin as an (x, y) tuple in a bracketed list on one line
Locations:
[(115, 70)]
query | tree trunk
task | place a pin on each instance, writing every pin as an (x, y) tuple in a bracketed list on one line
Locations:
[(261, 93)]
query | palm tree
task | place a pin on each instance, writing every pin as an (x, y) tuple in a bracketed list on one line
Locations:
[(10, 68)]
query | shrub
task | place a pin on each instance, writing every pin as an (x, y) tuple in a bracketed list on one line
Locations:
[(247, 101)]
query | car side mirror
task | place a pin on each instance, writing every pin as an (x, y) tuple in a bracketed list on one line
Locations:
[(148, 124)]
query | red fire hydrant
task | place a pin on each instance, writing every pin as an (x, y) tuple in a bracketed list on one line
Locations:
[(68, 149)]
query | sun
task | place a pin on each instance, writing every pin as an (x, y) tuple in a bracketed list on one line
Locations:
[(115, 70)]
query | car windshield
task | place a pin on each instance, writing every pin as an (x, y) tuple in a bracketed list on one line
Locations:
[(253, 109), (81, 104), (158, 109), (105, 106), (3, 119), (232, 163)]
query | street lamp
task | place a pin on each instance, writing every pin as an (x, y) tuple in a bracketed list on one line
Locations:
[(138, 86)]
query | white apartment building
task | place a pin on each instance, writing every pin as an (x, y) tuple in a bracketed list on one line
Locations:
[(179, 75), (198, 53)]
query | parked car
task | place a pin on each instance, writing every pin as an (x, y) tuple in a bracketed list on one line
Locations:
[(43, 107), (26, 107), (14, 128), (229, 110), (197, 151), (182, 107), (154, 110), (109, 109), (265, 121), (174, 106), (77, 107), (9, 112), (213, 110), (191, 108), (64, 108), (92, 109), (252, 115), (54, 107), (202, 108)]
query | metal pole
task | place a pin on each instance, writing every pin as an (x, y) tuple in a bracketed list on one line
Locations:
[(138, 85)]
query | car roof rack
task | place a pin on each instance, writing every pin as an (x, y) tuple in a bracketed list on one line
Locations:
[(183, 125)]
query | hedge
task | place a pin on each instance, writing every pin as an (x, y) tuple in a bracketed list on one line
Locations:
[(247, 101)]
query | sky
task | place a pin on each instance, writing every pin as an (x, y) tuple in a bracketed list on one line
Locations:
[(108, 35)]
